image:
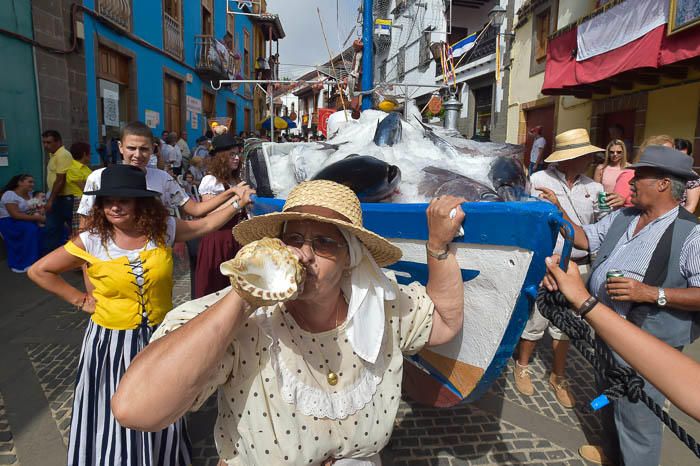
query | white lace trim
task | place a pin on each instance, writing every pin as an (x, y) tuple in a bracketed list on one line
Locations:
[(314, 401)]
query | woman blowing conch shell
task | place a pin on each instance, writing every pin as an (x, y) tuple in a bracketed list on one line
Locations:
[(308, 363)]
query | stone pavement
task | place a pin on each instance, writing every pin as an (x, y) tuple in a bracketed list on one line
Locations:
[(40, 339)]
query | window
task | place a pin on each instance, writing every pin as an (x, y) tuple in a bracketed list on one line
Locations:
[(424, 55), (246, 53), (174, 111), (172, 27), (208, 104), (231, 113), (541, 35), (401, 64), (231, 23), (207, 18)]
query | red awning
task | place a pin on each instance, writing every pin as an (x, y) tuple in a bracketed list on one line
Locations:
[(564, 75)]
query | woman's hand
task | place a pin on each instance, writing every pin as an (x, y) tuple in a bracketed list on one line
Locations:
[(89, 306), (243, 191), (39, 218), (442, 226), (569, 283)]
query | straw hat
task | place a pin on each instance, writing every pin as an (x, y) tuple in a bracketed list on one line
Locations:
[(572, 144), (331, 203)]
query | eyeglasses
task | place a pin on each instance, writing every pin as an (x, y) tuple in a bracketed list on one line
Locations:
[(321, 245)]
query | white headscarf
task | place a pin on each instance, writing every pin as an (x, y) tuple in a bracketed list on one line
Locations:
[(367, 288)]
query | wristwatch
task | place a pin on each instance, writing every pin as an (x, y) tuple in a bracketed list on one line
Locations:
[(661, 300), (439, 255)]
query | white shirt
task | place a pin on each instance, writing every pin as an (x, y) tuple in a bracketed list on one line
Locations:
[(210, 185), (94, 246), (168, 153), (538, 145), (184, 148), (580, 202), (11, 197), (171, 193)]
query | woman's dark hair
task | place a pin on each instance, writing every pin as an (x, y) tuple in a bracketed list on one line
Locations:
[(14, 182), (219, 167), (683, 145), (151, 220)]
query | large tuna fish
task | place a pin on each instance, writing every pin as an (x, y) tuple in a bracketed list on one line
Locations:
[(388, 130), (508, 178), (440, 182), (373, 180)]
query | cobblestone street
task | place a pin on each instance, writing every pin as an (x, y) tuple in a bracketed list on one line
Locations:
[(40, 341)]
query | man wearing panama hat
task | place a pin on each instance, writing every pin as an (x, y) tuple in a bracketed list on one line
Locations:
[(663, 300), (565, 181)]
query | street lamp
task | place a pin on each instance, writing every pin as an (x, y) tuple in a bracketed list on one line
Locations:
[(497, 15)]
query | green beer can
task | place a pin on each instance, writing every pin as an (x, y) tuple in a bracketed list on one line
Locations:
[(602, 201), (614, 273)]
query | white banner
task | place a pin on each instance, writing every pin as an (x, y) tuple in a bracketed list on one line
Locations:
[(620, 25)]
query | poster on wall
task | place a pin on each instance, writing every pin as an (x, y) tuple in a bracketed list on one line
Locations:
[(109, 92), (152, 118), (683, 14), (194, 105), (194, 121)]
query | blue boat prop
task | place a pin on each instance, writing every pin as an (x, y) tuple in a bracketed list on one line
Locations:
[(501, 256)]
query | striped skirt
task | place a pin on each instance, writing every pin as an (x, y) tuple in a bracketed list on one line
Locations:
[(95, 436)]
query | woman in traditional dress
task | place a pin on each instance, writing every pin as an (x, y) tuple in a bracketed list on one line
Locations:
[(19, 226), (316, 379), (218, 246), (127, 246)]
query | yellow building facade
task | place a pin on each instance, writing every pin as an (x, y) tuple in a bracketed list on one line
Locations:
[(643, 101)]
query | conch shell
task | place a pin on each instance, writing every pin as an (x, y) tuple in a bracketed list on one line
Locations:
[(265, 272)]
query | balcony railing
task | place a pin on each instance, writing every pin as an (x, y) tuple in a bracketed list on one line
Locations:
[(172, 36), (117, 11), (486, 46), (214, 60)]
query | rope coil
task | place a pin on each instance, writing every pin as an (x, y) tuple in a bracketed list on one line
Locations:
[(624, 381)]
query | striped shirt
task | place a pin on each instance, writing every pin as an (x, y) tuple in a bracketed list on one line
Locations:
[(580, 202), (633, 252)]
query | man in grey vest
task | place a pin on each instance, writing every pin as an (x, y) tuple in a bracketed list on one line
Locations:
[(656, 246)]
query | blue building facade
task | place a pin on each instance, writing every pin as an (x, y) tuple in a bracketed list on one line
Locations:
[(155, 62)]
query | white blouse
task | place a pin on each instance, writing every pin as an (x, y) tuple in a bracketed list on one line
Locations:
[(275, 404), (210, 185)]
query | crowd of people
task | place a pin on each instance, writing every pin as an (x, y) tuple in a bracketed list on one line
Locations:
[(317, 379), (626, 216)]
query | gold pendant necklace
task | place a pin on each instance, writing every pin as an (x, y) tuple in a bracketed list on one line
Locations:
[(331, 377)]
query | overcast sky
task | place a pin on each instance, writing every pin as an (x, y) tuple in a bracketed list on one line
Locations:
[(303, 44)]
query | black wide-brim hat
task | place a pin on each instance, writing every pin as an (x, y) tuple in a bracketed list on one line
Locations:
[(222, 142), (123, 181), (667, 160)]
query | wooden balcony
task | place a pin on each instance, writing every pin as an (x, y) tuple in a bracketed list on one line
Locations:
[(214, 61), (117, 11), (172, 36)]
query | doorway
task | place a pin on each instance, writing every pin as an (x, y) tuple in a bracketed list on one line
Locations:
[(113, 110), (618, 125), (173, 104), (544, 117)]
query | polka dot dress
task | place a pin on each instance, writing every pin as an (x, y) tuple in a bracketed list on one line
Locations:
[(275, 404)]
